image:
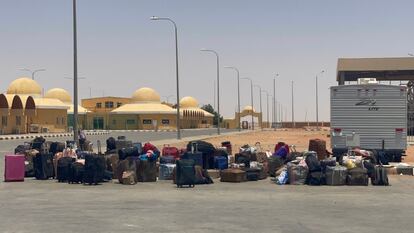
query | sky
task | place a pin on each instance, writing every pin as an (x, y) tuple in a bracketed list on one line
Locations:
[(121, 50)]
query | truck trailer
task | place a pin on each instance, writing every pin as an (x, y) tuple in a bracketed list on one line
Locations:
[(370, 116)]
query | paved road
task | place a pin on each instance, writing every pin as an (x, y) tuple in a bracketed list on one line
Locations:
[(50, 207)]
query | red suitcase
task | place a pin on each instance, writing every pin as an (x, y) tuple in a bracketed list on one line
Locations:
[(14, 168), (171, 151)]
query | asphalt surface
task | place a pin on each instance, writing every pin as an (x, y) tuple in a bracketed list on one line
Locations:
[(47, 206)]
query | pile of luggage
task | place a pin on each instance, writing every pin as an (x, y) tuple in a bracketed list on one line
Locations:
[(316, 168)]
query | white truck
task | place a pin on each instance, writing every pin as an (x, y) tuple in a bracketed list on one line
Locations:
[(370, 116)]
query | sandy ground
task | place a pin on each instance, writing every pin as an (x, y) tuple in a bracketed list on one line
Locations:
[(298, 137)]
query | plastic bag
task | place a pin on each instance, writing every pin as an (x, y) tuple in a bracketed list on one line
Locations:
[(282, 178)]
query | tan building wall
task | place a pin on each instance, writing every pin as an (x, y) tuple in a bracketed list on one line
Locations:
[(142, 121), (103, 104), (53, 119)]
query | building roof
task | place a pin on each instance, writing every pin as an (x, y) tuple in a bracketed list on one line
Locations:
[(47, 103), (393, 68), (144, 108), (24, 86), (198, 110), (188, 102), (81, 110), (60, 94), (248, 108), (146, 95)]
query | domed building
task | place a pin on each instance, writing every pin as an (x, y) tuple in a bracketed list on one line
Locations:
[(145, 111), (64, 96), (24, 110), (192, 116)]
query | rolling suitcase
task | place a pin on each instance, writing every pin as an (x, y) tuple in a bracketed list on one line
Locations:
[(380, 176), (336, 175), (171, 151), (147, 171), (127, 165), (185, 173), (76, 171), (252, 174), (167, 160), (166, 171), (232, 175), (43, 166), (221, 162), (94, 169), (274, 164), (196, 156), (14, 168), (63, 168), (297, 174), (28, 164), (357, 176), (128, 152)]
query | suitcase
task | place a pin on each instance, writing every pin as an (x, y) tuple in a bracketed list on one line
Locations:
[(43, 166), (63, 168), (275, 163), (232, 175), (380, 176), (21, 149), (112, 164), (166, 171), (94, 169), (119, 144), (128, 152), (56, 147), (252, 174), (196, 156), (207, 150), (228, 146), (171, 151), (138, 145), (76, 172), (202, 176), (319, 146), (221, 162), (316, 178), (357, 176), (264, 171), (312, 161), (335, 176), (14, 168), (213, 173), (243, 158), (129, 164), (28, 164), (167, 160), (409, 170), (331, 162), (147, 171), (129, 178), (297, 174), (185, 173)]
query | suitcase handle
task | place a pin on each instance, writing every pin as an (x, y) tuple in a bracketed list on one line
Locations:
[(194, 147), (99, 147)]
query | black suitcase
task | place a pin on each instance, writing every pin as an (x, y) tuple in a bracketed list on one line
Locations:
[(243, 158), (357, 176), (167, 160), (94, 169), (128, 152), (43, 166), (252, 174), (63, 168), (185, 173), (21, 149), (196, 156), (316, 178), (147, 171), (380, 176), (76, 171), (56, 147)]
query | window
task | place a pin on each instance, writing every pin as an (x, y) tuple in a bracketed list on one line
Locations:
[(118, 104), (130, 122), (63, 120), (114, 122), (165, 122), (98, 105), (109, 104), (57, 121), (4, 120), (147, 121), (18, 120), (203, 122)]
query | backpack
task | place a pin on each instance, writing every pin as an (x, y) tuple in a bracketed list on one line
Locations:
[(148, 146), (312, 161), (280, 145)]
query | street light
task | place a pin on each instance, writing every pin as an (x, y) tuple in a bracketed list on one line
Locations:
[(251, 96), (267, 107), (33, 72), (317, 99), (238, 91), (218, 86), (293, 110), (176, 72), (274, 100), (75, 76), (260, 100)]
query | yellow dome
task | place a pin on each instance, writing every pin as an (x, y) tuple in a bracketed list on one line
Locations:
[(248, 108), (60, 94), (188, 102), (24, 86), (146, 94)]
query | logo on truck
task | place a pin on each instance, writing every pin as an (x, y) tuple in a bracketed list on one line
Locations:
[(368, 102)]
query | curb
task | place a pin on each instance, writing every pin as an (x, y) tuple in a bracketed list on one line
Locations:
[(17, 137)]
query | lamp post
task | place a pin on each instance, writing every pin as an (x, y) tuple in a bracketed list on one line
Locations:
[(274, 101), (176, 72), (238, 92), (251, 98), (33, 72), (317, 99), (260, 101), (267, 107), (75, 76), (218, 86), (293, 110)]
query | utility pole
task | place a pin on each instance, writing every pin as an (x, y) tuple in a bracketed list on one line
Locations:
[(293, 109), (75, 76)]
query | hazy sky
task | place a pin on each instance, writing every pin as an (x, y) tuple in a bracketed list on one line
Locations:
[(121, 50)]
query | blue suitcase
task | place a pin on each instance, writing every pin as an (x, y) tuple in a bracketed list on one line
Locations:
[(221, 162), (196, 156)]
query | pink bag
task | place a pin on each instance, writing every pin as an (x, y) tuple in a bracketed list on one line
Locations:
[(14, 168)]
